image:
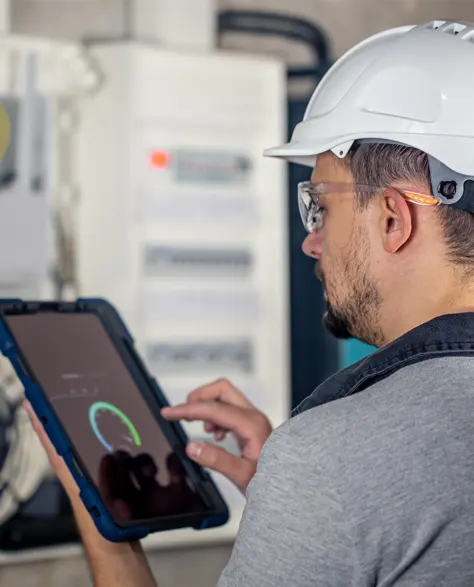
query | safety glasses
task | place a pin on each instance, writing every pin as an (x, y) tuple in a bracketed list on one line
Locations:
[(312, 213)]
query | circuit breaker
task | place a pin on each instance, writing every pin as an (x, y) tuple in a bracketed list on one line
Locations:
[(182, 224)]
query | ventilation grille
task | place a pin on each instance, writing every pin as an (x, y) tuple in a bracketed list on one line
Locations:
[(463, 30)]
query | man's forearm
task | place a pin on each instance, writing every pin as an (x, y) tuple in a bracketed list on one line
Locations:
[(112, 565)]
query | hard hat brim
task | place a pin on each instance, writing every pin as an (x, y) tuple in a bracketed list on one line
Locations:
[(453, 151)]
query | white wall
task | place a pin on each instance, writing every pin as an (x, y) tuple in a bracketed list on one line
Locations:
[(69, 19), (347, 21)]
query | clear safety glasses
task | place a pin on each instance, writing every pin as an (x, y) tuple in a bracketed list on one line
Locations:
[(312, 213)]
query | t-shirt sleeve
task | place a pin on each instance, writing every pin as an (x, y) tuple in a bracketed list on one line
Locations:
[(293, 532)]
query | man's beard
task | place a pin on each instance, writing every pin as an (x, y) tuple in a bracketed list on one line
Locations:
[(335, 323), (357, 315)]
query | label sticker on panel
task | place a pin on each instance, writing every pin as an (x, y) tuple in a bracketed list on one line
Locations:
[(164, 260), (203, 166), (180, 358)]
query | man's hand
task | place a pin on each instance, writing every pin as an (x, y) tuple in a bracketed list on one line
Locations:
[(56, 462), (117, 565), (223, 409)]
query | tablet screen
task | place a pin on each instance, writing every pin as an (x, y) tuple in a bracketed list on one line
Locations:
[(109, 424)]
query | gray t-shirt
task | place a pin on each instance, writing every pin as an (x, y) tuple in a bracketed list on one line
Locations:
[(376, 489)]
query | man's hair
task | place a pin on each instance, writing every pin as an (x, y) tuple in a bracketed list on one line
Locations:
[(382, 164)]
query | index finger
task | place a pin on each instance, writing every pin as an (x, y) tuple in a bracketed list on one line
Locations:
[(220, 390), (232, 418)]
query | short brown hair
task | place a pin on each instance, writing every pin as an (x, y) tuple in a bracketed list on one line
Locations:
[(382, 164)]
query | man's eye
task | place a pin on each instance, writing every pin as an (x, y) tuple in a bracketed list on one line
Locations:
[(317, 213)]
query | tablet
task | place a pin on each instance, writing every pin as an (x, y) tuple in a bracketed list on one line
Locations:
[(101, 409)]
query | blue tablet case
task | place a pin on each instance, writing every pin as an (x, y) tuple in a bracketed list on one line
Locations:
[(107, 527)]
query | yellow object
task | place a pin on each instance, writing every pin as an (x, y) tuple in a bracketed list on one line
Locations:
[(5, 131), (422, 199)]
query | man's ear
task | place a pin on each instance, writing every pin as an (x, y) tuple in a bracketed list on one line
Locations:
[(395, 220)]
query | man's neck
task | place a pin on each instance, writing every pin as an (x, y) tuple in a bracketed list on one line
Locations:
[(413, 311)]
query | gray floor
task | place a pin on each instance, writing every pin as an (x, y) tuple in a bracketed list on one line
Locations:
[(197, 567)]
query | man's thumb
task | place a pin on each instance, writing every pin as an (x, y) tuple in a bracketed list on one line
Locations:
[(237, 470)]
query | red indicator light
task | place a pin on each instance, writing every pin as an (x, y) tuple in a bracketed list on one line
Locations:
[(159, 159)]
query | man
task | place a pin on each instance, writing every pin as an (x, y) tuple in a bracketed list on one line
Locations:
[(371, 482)]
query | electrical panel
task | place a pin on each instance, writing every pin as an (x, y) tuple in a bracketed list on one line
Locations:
[(182, 223), (26, 219)]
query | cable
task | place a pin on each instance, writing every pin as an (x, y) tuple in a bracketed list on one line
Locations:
[(285, 25)]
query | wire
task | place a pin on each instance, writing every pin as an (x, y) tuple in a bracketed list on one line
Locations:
[(283, 25)]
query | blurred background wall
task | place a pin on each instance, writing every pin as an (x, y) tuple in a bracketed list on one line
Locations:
[(346, 21)]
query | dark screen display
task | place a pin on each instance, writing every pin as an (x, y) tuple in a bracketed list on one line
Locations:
[(109, 424)]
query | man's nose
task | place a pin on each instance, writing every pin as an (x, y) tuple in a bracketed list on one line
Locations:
[(313, 244)]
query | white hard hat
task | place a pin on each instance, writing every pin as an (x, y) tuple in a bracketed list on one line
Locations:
[(410, 85)]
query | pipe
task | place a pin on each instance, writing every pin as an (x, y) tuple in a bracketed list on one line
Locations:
[(5, 17)]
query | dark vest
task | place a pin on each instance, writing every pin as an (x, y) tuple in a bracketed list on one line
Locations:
[(445, 336)]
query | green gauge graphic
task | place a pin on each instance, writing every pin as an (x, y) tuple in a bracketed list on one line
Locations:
[(112, 427)]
